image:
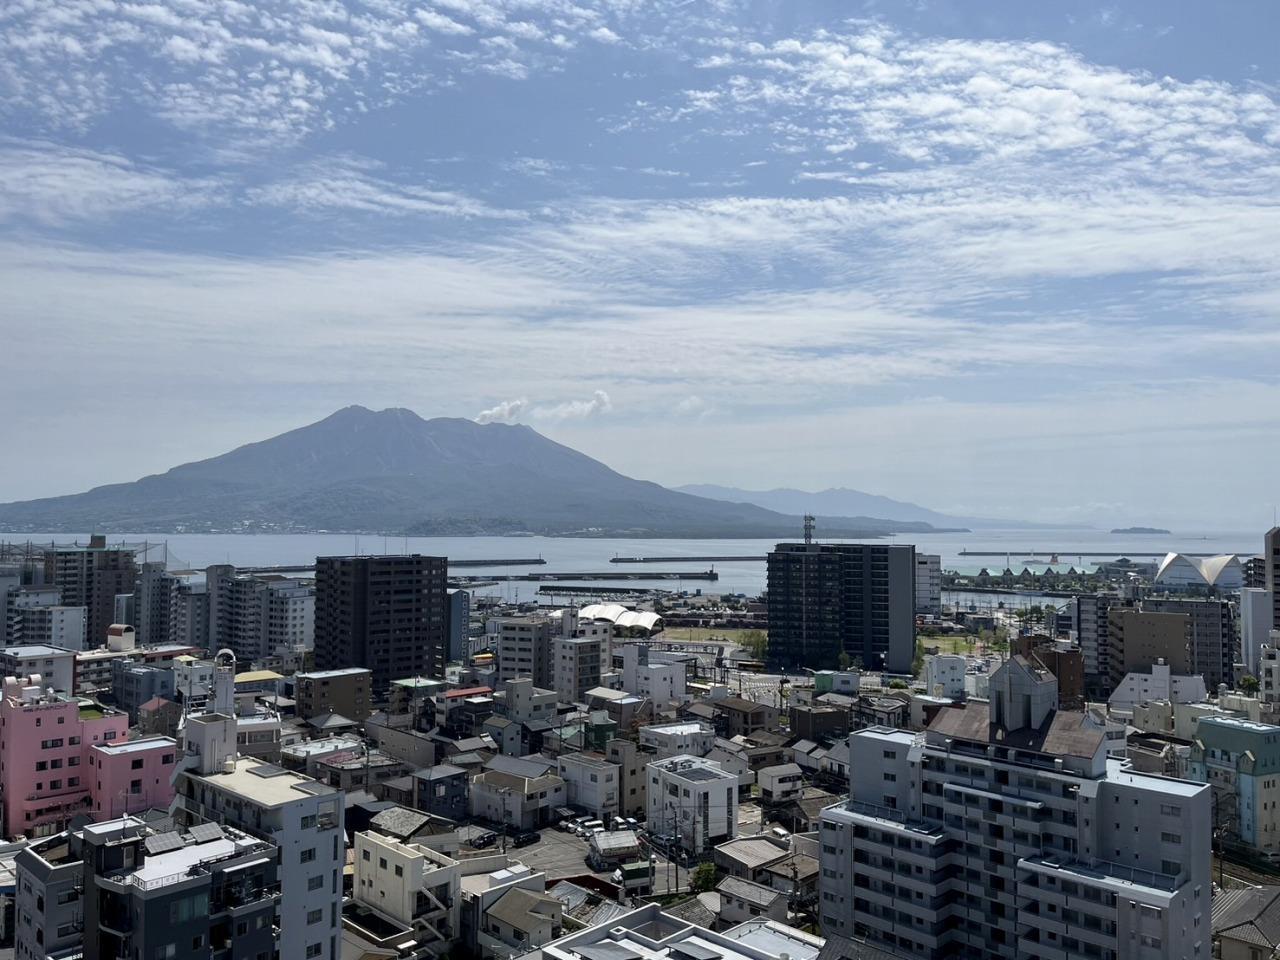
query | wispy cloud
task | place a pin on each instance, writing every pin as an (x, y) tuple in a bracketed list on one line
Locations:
[(53, 185), (347, 183)]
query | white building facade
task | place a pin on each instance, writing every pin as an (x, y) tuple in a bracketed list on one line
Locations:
[(1005, 831), (693, 800)]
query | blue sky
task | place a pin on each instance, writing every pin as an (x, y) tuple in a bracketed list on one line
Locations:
[(1000, 258)]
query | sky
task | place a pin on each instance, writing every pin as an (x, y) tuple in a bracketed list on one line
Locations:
[(1001, 259)]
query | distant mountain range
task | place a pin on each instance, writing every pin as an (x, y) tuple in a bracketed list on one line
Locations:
[(843, 502), (360, 471)]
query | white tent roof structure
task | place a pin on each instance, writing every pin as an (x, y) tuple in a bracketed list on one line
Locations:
[(1224, 570), (620, 616)]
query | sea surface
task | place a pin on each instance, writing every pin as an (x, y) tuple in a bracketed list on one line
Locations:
[(1015, 548)]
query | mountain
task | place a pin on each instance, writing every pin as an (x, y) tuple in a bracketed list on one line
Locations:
[(843, 502), (835, 502), (393, 472)]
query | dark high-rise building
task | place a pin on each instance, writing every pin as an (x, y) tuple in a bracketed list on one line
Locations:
[(92, 577), (389, 614), (1271, 560), (831, 598)]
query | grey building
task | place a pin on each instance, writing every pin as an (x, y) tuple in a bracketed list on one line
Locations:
[(258, 616), (209, 891), (1213, 633), (92, 577), (524, 647), (155, 604), (1006, 831), (387, 613), (826, 599), (20, 601), (191, 617), (459, 625), (1092, 630), (48, 902), (441, 790), (133, 684)]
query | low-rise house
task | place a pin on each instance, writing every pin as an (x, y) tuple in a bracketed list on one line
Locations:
[(403, 891), (525, 802), (743, 900), (693, 738), (442, 790), (591, 783), (780, 784), (741, 717), (1246, 924), (521, 920), (748, 858)]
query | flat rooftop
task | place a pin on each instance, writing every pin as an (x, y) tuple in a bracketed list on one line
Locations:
[(265, 783), (331, 674), (137, 746), (1117, 772), (685, 729), (36, 650)]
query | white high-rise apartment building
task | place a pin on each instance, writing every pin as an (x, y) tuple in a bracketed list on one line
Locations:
[(928, 584), (299, 815), (1005, 831)]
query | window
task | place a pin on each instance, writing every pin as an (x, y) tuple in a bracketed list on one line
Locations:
[(1170, 811), (313, 950), (136, 764), (382, 863), (42, 765), (316, 883), (73, 741), (1170, 838), (314, 916), (308, 855), (309, 821), (364, 855), (399, 870)]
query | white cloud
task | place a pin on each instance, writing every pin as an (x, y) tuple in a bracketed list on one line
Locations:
[(508, 411), (53, 185), (347, 184), (576, 409)]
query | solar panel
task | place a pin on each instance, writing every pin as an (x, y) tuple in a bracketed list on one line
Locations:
[(164, 842), (204, 832)]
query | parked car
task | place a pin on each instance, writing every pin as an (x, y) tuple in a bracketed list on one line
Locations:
[(483, 840), (524, 839), (565, 826)]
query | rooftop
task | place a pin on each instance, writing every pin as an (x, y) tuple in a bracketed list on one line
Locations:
[(265, 783), (330, 674), (137, 746), (753, 893), (36, 650)]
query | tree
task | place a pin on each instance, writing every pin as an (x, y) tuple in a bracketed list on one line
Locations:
[(1249, 684), (844, 660), (703, 878), (755, 642)]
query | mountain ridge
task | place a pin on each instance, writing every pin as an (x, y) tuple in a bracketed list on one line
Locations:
[(391, 471)]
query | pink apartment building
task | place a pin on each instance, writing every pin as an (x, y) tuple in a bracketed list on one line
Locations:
[(55, 750), (131, 776)]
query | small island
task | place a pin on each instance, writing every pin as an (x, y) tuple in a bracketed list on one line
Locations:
[(1158, 530)]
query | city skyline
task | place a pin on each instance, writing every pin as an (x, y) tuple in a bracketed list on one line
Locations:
[(996, 261)]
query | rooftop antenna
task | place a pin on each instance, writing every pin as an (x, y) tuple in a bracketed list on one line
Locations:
[(808, 528)]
